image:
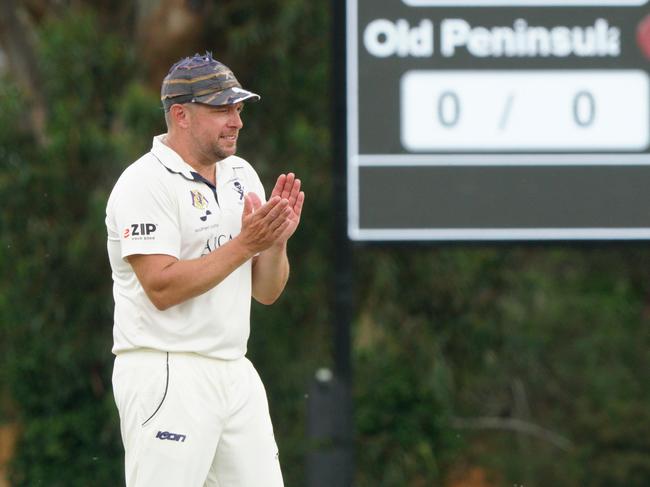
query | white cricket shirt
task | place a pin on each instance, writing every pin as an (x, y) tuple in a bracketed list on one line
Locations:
[(159, 205)]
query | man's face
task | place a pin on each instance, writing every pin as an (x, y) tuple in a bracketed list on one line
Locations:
[(214, 130)]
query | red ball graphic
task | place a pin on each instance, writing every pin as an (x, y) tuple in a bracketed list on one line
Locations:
[(643, 36)]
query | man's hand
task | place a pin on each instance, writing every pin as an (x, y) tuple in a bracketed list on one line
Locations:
[(271, 267), (264, 224), (287, 187)]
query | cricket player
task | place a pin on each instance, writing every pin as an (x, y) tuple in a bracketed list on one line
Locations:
[(191, 238)]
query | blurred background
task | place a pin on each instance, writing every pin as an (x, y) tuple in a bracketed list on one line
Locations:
[(473, 365)]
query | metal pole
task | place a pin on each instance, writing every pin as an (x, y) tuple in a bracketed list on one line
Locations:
[(330, 417)]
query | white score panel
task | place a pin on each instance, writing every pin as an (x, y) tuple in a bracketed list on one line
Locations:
[(546, 111)]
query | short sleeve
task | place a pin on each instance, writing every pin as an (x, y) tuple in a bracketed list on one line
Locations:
[(144, 213)]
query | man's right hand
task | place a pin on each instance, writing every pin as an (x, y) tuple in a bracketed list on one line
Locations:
[(169, 281)]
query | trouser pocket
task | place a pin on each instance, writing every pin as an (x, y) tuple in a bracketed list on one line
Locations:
[(140, 385)]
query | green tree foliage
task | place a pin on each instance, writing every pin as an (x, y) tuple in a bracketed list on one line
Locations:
[(56, 299), (527, 362), (55, 287)]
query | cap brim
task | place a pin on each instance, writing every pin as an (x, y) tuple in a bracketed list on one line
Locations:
[(229, 96)]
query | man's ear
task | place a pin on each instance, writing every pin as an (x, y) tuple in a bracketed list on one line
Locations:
[(180, 114)]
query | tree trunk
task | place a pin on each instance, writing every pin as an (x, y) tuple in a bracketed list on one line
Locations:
[(17, 39), (166, 31)]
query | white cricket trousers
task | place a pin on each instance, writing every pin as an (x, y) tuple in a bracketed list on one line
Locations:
[(193, 421)]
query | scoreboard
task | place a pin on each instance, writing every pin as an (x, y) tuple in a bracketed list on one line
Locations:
[(498, 120)]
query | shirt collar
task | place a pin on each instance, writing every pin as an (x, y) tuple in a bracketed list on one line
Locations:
[(170, 158)]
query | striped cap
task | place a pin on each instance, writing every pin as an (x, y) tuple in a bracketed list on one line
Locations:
[(202, 79)]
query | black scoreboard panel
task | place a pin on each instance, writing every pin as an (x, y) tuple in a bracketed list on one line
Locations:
[(498, 120)]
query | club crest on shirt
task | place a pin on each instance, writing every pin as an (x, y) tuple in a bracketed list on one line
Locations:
[(239, 189), (198, 200)]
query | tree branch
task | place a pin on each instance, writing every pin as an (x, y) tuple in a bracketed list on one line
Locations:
[(513, 424)]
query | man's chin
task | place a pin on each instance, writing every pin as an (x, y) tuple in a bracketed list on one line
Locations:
[(222, 152)]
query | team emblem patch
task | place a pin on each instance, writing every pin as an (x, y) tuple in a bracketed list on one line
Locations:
[(198, 200), (239, 188)]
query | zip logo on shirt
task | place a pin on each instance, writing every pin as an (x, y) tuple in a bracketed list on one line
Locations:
[(140, 230), (166, 435)]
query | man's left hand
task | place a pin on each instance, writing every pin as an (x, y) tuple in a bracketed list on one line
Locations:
[(288, 187)]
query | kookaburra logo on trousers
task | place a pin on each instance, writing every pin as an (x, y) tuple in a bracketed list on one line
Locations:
[(166, 435)]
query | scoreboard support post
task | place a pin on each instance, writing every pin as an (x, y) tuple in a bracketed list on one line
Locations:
[(330, 424)]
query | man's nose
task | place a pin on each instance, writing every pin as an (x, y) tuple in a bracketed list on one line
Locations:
[(235, 119)]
